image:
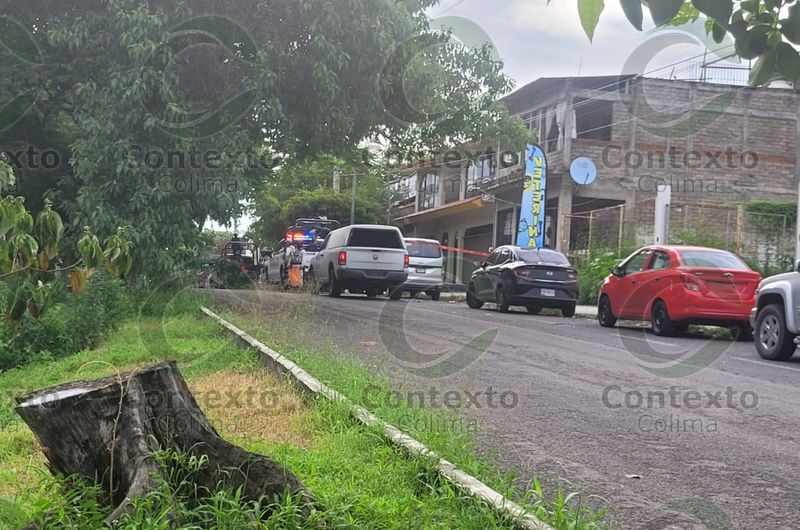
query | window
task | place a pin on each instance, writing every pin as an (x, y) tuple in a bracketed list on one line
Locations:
[(712, 259), (452, 189), (543, 255), (404, 189), (636, 263), (505, 227), (429, 191), (478, 173), (593, 119), (374, 238), (506, 255), (494, 258), (423, 249), (660, 261)]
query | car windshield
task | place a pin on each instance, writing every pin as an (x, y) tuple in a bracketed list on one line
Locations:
[(543, 255), (374, 238), (423, 249), (713, 259)]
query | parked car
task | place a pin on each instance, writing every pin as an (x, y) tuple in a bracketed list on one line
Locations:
[(426, 267), (775, 317), (366, 259), (675, 286), (534, 278)]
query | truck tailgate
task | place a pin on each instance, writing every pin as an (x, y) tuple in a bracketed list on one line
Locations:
[(383, 259)]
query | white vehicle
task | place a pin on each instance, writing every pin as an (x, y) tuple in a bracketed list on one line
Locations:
[(300, 245), (426, 267), (286, 254), (366, 259)]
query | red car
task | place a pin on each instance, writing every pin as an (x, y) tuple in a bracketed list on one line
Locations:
[(675, 286)]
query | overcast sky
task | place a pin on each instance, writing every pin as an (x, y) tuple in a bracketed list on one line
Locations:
[(539, 40)]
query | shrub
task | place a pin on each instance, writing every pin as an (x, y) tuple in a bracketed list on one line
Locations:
[(76, 322), (592, 270)]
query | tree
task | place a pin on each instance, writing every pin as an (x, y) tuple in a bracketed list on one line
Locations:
[(116, 431), (762, 29), (168, 79), (304, 188), (29, 248)]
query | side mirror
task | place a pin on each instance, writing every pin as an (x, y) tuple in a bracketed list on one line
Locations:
[(478, 264), (617, 271)]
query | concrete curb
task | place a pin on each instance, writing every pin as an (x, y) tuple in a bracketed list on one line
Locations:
[(449, 471)]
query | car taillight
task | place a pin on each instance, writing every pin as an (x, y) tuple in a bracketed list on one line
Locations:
[(405, 261), (342, 258), (690, 282)]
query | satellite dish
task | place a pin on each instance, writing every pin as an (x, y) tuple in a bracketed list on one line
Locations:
[(485, 195), (583, 171)]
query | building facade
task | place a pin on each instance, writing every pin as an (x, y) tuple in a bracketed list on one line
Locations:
[(716, 146)]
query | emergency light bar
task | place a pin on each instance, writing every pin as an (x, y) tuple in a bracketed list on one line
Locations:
[(293, 236)]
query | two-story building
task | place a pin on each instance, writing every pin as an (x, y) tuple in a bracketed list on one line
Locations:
[(715, 145)]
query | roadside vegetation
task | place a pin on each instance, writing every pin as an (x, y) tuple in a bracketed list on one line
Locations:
[(73, 323), (443, 430), (358, 479)]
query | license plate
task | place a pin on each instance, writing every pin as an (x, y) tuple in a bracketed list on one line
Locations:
[(421, 270), (548, 292)]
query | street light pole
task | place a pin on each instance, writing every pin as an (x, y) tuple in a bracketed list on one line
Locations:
[(353, 203)]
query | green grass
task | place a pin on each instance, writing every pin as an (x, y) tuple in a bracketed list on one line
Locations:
[(441, 429), (358, 479)]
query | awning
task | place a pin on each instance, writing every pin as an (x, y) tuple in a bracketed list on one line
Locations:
[(448, 209)]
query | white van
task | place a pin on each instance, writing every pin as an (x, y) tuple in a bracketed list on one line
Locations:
[(426, 267), (366, 259)]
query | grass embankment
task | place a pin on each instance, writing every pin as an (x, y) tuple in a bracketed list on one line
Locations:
[(441, 429), (357, 478)]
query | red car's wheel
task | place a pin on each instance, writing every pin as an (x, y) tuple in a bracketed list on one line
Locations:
[(660, 322), (605, 316)]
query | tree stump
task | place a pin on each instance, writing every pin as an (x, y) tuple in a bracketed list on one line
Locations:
[(107, 430)]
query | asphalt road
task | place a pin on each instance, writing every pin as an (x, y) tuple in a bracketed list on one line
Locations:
[(649, 427)]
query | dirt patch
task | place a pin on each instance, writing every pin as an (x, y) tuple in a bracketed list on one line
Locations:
[(254, 406)]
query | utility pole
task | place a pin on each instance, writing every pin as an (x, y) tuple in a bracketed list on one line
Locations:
[(353, 203), (337, 174), (661, 223)]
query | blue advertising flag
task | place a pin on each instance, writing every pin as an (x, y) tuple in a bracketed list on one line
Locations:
[(532, 216)]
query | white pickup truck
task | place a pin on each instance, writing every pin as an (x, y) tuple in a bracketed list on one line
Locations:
[(366, 259)]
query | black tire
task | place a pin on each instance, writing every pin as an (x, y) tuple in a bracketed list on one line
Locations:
[(334, 288), (773, 340), (472, 300), (534, 309), (605, 316), (372, 292), (568, 311), (436, 295), (502, 302), (742, 333), (660, 322), (395, 293)]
